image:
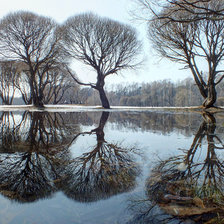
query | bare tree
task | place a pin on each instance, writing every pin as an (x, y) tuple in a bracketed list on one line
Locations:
[(8, 77), (150, 10), (33, 40), (59, 82), (22, 84), (199, 45), (103, 44)]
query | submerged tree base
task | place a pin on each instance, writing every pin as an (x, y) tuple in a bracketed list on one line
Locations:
[(213, 109), (39, 106)]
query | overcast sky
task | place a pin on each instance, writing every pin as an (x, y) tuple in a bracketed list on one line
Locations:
[(60, 10)]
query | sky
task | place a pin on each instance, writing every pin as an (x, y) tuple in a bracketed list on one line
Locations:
[(152, 69)]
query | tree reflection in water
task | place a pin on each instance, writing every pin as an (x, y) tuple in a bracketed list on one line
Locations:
[(31, 149), (189, 186), (36, 160), (106, 170)]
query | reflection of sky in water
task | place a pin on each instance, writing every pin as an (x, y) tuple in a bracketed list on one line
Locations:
[(60, 209), (152, 145), (84, 142)]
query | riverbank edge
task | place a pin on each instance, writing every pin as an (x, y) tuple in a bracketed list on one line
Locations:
[(74, 108)]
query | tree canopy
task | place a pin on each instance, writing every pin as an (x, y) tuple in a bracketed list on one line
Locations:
[(33, 40), (105, 45), (185, 32)]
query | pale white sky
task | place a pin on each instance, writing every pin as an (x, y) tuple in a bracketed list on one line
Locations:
[(60, 10)]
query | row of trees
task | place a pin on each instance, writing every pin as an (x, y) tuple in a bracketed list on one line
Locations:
[(50, 87), (163, 93), (156, 94), (36, 53)]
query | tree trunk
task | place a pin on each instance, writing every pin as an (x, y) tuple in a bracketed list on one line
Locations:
[(99, 130), (100, 87), (103, 98), (37, 102), (211, 98), (201, 86)]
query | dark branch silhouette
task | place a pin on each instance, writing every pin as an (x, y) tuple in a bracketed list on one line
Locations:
[(107, 169), (190, 185), (107, 46)]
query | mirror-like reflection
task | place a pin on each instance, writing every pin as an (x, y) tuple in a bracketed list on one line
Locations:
[(34, 131), (31, 148), (117, 167), (188, 186), (106, 169), (36, 161)]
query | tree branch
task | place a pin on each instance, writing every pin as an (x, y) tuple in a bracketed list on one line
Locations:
[(79, 82), (219, 80)]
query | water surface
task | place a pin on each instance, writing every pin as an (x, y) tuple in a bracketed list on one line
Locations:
[(117, 167)]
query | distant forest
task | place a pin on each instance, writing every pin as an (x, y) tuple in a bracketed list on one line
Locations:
[(156, 94)]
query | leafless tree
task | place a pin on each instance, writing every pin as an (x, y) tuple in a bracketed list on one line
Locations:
[(33, 40), (196, 44), (8, 77), (22, 84), (59, 82), (150, 10), (103, 44)]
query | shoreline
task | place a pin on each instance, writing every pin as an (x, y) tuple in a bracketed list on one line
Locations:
[(80, 108)]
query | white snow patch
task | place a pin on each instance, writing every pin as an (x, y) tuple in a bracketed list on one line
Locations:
[(80, 108)]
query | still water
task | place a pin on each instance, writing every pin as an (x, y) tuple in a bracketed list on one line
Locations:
[(115, 168)]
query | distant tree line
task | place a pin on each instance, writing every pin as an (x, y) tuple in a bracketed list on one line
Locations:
[(163, 93)]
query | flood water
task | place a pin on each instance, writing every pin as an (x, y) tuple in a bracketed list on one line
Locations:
[(118, 167)]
